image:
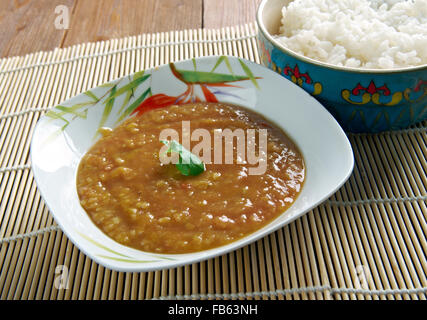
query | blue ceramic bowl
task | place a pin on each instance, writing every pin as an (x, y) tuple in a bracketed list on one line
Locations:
[(362, 100)]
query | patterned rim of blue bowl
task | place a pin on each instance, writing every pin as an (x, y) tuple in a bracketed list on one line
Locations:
[(303, 58), (365, 100)]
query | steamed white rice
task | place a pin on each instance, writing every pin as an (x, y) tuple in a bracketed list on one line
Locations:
[(378, 34)]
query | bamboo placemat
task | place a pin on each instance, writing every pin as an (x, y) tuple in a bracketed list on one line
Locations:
[(368, 241)]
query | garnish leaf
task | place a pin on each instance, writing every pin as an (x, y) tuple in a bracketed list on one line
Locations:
[(189, 164)]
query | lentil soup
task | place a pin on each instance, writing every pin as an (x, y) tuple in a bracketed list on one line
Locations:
[(140, 202)]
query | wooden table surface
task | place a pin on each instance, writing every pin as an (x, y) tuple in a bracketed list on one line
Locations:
[(35, 25)]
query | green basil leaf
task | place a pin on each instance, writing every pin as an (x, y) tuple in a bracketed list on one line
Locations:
[(189, 164)]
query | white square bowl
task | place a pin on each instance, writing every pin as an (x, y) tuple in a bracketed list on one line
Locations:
[(66, 132)]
